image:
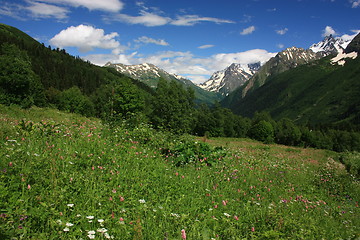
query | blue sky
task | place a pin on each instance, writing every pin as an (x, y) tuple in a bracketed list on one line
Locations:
[(192, 38)]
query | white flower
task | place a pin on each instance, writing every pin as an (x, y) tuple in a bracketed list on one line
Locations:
[(102, 230), (226, 214), (142, 201), (175, 215), (69, 224), (70, 205), (66, 229), (91, 232), (90, 217), (91, 236), (100, 220)]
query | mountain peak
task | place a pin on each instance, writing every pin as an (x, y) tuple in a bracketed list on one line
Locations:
[(330, 45), (232, 77)]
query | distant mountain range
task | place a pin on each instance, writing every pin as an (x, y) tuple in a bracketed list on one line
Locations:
[(305, 86), (150, 75)]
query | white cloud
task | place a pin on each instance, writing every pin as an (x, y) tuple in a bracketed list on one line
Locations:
[(282, 31), (248, 30), (355, 3), (152, 17), (206, 46), (86, 38), (104, 5), (43, 10), (280, 45), (145, 18), (328, 31), (12, 10), (145, 39), (185, 63), (190, 20)]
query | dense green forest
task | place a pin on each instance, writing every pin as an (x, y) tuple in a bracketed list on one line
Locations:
[(33, 74)]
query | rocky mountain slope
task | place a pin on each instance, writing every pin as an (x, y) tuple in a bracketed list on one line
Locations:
[(227, 80)]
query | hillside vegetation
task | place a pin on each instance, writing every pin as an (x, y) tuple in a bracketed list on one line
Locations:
[(64, 176)]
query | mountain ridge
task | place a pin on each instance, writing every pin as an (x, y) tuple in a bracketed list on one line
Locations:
[(150, 74)]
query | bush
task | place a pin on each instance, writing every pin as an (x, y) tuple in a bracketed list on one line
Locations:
[(262, 131)]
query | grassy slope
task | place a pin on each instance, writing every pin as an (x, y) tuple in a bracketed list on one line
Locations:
[(120, 183)]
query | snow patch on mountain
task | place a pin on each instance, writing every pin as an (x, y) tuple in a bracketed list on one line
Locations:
[(340, 58)]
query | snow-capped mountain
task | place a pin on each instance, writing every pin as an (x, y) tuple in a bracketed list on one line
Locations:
[(150, 75), (330, 45), (283, 61), (146, 72), (232, 77)]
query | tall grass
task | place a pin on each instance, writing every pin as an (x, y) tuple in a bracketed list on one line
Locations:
[(68, 177)]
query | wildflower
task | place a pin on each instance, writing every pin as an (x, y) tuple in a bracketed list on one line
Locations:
[(66, 229), (253, 229), (175, 215), (10, 164), (69, 224), (224, 202), (100, 220), (142, 201), (102, 230), (91, 236), (227, 215), (90, 217), (183, 234), (122, 199), (70, 205), (29, 186), (236, 218), (91, 232)]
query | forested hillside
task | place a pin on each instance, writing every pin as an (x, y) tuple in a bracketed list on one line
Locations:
[(316, 93)]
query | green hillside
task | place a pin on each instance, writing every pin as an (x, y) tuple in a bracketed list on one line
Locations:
[(64, 176), (318, 92)]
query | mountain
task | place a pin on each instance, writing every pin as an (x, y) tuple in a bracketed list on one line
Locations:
[(145, 72), (232, 77), (150, 75), (354, 45), (283, 61), (319, 92), (330, 45)]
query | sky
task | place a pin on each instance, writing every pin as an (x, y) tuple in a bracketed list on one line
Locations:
[(191, 38)]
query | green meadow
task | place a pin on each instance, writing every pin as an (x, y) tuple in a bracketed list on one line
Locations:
[(64, 176)]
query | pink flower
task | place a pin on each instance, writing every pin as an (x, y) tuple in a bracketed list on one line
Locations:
[(236, 217), (10, 164), (29, 187), (224, 202), (122, 199), (253, 229), (121, 219), (183, 234)]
